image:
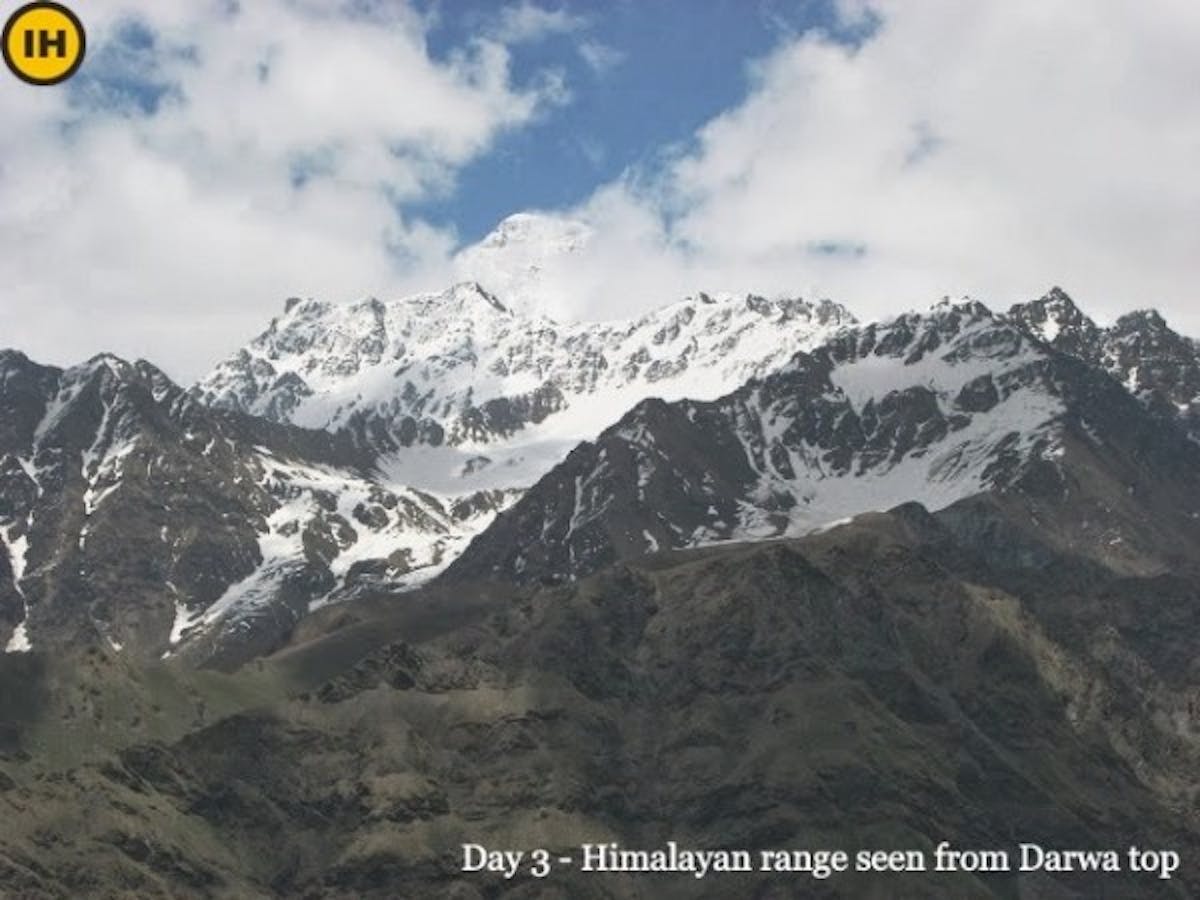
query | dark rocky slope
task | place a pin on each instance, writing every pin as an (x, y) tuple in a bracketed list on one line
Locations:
[(894, 682), (130, 510)]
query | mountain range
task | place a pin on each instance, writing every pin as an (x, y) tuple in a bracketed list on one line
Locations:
[(360, 448), (741, 570)]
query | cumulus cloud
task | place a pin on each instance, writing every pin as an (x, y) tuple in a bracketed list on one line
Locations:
[(213, 157), (992, 149)]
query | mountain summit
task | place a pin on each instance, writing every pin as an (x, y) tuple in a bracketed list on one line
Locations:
[(1140, 350), (1057, 320), (522, 257)]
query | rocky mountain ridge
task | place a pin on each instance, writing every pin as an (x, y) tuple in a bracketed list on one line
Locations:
[(460, 370), (1155, 363), (933, 407), (132, 515)]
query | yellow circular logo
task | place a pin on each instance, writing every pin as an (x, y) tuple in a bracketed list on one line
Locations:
[(43, 43)]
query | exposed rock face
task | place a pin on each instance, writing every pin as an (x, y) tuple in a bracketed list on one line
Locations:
[(1056, 319), (1159, 366), (132, 515)]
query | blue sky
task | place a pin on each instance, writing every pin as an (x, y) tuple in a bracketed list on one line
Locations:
[(213, 157), (670, 66)]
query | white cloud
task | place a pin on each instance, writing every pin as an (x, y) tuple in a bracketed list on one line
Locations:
[(528, 22), (599, 57), (992, 149), (276, 162)]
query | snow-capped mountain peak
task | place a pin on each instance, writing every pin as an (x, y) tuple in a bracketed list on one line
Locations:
[(458, 368), (513, 261), (545, 232), (1055, 319), (1140, 350)]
